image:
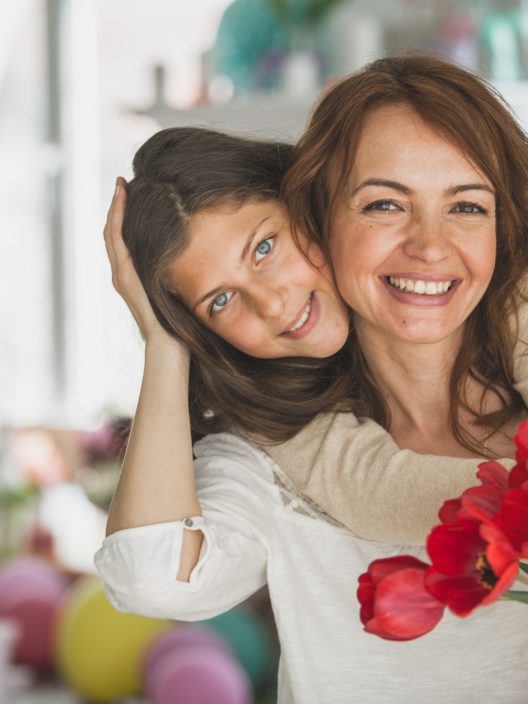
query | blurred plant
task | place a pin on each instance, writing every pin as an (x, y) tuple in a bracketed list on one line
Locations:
[(107, 443), (304, 13), (103, 451)]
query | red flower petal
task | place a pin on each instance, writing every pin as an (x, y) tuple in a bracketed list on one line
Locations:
[(519, 475), (482, 502), (521, 440), (453, 548), (403, 608), (460, 593), (494, 474), (379, 569), (449, 511)]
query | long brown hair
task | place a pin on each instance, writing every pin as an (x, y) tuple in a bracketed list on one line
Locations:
[(470, 114), (178, 173)]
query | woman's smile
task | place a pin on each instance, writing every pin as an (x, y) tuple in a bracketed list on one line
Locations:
[(421, 289)]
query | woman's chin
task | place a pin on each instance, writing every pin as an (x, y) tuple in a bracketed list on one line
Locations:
[(421, 333)]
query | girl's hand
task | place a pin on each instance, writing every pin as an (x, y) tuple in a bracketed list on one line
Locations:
[(124, 276)]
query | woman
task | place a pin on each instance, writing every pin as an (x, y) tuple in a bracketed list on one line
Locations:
[(325, 654), (436, 90)]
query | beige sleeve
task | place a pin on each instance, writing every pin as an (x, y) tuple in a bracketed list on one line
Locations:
[(354, 471), (521, 354)]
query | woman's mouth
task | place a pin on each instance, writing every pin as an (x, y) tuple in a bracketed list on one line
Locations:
[(427, 288), (418, 291), (305, 320)]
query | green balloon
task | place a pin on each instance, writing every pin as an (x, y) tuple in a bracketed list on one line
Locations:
[(249, 642)]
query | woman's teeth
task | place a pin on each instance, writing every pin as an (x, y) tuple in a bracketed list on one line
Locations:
[(303, 318), (429, 288)]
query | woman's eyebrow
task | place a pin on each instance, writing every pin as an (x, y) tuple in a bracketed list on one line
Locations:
[(453, 190), (243, 255), (469, 187), (382, 182)]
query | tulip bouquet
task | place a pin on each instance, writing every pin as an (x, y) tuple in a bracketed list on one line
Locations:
[(475, 554)]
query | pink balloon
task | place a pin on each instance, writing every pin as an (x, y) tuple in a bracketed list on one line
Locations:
[(179, 639), (198, 675), (30, 589)]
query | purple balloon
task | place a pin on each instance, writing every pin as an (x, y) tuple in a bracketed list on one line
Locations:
[(30, 589), (198, 675), (181, 638)]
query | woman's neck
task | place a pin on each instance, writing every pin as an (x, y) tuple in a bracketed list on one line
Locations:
[(414, 380), (412, 377)]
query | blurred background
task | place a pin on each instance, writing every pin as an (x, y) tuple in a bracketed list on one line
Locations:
[(82, 84)]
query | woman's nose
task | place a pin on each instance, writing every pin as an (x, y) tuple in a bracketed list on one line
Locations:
[(428, 239)]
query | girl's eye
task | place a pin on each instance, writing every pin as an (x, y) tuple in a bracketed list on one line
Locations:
[(263, 248), (381, 206), (221, 301), (469, 209)]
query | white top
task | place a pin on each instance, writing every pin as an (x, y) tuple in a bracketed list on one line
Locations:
[(257, 531)]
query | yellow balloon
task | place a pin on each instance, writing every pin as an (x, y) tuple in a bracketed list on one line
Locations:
[(98, 650)]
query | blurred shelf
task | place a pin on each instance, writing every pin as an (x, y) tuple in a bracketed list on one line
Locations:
[(267, 116)]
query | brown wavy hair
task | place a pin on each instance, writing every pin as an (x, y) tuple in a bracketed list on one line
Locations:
[(471, 115), (178, 173)]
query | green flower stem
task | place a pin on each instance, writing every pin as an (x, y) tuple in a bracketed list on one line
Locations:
[(522, 578), (523, 566), (517, 596)]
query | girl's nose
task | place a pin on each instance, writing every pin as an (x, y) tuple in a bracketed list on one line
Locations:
[(269, 301)]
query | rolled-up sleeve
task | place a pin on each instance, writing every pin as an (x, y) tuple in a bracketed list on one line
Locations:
[(139, 565)]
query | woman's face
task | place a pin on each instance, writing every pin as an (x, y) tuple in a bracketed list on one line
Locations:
[(243, 276), (413, 239)]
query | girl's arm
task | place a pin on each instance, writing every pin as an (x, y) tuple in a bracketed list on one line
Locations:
[(156, 484), (354, 471), (238, 496)]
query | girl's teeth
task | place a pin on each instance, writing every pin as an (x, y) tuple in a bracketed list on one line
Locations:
[(428, 288), (303, 318)]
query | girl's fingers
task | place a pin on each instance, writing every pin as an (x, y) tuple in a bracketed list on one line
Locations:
[(114, 222)]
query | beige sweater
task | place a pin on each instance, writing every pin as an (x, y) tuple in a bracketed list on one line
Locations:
[(352, 469)]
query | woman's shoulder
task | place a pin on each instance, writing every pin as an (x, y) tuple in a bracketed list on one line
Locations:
[(231, 452)]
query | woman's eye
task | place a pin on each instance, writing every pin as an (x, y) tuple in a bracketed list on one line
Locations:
[(381, 206), (221, 301), (263, 248), (469, 209)]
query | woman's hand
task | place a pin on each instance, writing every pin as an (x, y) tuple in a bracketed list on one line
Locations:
[(124, 276)]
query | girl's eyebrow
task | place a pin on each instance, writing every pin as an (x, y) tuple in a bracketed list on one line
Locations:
[(243, 255), (453, 190)]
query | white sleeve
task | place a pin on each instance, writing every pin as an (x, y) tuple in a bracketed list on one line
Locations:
[(139, 565)]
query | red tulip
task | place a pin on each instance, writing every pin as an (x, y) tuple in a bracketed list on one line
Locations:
[(461, 576), (521, 440), (395, 604), (519, 474), (507, 532), (479, 502)]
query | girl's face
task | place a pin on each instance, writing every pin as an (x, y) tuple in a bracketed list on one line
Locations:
[(413, 239), (243, 276)]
